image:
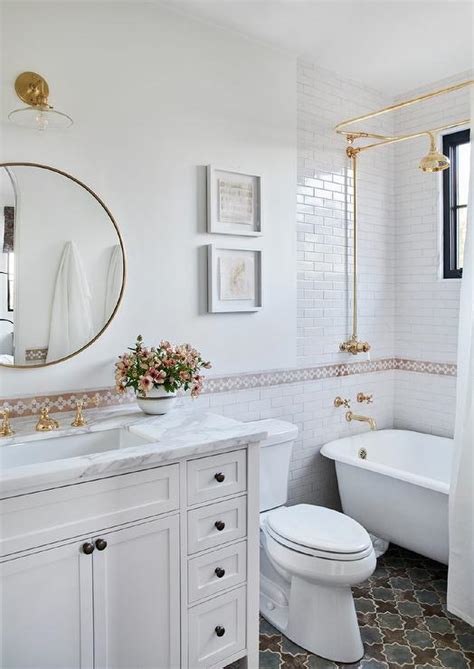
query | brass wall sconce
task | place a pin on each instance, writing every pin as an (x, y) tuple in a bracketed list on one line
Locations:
[(434, 161), (33, 89)]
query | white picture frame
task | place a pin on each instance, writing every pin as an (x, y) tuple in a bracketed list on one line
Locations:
[(234, 279), (234, 202)]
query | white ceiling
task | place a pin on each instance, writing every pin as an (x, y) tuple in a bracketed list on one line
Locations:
[(392, 46)]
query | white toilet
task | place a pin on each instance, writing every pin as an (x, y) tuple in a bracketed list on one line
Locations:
[(310, 556)]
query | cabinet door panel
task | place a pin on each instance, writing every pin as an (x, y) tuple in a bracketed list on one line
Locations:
[(136, 597), (46, 610)]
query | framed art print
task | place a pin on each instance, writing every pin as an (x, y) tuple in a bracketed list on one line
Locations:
[(234, 202), (234, 279)]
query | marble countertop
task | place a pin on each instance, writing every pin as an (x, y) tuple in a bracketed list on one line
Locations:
[(181, 433)]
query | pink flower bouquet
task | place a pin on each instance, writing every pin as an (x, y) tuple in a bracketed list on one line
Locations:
[(166, 366)]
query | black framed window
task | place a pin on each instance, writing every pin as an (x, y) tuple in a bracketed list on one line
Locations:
[(455, 193)]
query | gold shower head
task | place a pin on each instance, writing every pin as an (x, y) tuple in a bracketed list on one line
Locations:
[(434, 161)]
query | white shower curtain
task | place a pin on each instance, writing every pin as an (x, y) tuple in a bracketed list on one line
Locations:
[(461, 499)]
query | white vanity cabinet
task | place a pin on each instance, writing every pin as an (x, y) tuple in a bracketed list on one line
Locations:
[(136, 599), (46, 610), (68, 608), (142, 570)]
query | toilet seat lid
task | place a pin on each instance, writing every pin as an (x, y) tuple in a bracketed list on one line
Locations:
[(319, 528)]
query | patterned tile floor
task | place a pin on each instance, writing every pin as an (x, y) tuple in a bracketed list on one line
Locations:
[(403, 619)]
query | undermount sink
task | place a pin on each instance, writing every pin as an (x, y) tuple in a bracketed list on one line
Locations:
[(62, 447)]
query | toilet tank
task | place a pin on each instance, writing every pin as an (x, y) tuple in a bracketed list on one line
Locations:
[(275, 454)]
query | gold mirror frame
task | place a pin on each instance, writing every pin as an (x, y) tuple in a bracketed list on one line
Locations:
[(124, 262)]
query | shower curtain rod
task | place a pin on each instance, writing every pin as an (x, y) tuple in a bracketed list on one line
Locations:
[(352, 135)]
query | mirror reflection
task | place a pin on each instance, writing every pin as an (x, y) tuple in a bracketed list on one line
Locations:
[(61, 265)]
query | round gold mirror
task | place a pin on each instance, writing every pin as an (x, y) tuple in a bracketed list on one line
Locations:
[(62, 265)]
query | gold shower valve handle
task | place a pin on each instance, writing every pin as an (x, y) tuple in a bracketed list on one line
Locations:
[(354, 346), (362, 397)]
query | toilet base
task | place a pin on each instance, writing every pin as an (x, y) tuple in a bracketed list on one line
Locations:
[(323, 620)]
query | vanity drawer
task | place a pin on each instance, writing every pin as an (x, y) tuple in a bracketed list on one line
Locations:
[(217, 629), (212, 572), (217, 524), (217, 476), (44, 517)]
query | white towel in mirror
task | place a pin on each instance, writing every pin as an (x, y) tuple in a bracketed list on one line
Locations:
[(114, 281), (71, 311)]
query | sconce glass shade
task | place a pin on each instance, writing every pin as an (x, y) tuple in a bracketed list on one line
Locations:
[(40, 118)]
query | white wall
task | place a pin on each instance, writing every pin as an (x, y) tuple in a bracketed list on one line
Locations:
[(155, 97)]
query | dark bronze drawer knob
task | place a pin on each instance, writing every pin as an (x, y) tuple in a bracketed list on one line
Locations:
[(219, 572), (101, 544), (220, 477), (220, 631), (87, 548), (219, 524)]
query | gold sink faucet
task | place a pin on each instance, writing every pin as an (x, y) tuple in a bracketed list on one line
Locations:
[(5, 427), (350, 416), (45, 422), (79, 418)]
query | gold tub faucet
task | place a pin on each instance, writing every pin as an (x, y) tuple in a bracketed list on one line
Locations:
[(45, 422), (350, 416)]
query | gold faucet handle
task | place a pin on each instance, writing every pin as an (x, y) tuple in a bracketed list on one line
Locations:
[(79, 419), (5, 428), (342, 402), (362, 397)]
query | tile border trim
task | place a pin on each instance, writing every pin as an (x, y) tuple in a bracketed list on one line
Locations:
[(102, 397)]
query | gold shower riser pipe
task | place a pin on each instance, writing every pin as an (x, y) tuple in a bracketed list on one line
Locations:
[(354, 269), (353, 345)]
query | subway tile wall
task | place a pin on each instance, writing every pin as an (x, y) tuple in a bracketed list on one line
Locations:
[(310, 406), (324, 240), (427, 306), (425, 403)]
